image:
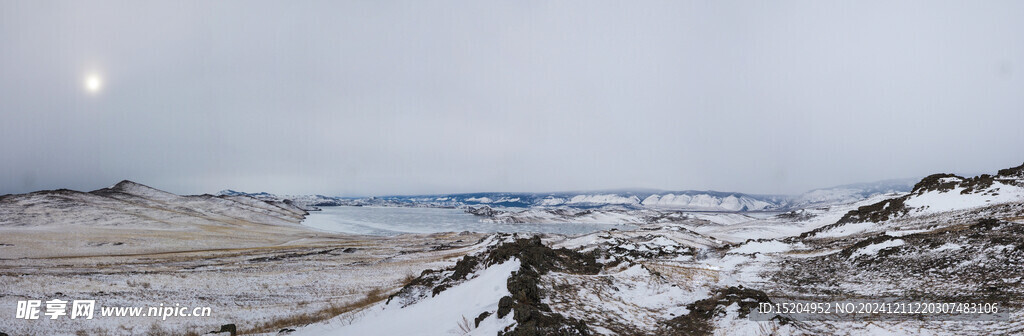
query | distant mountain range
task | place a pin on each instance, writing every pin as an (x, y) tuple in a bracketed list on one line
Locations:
[(688, 200)]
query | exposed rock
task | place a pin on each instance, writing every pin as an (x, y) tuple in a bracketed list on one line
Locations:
[(699, 320), (481, 317), (534, 317), (227, 328), (485, 211), (1012, 173)]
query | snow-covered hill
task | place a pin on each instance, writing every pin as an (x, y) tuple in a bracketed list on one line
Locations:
[(709, 202), (946, 192), (306, 202), (850, 193), (137, 218)]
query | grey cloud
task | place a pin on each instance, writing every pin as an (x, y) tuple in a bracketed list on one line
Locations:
[(362, 98)]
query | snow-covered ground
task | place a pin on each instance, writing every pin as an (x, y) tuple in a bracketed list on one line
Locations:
[(672, 272), (437, 315), (702, 273), (941, 201), (252, 262)]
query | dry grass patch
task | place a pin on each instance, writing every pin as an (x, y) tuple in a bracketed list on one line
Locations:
[(1014, 219), (684, 275), (373, 296)]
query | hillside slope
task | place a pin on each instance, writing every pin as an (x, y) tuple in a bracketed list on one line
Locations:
[(140, 219)]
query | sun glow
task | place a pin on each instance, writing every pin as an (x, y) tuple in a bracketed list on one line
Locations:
[(93, 83)]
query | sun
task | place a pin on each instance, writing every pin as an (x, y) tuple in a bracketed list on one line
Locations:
[(93, 83)]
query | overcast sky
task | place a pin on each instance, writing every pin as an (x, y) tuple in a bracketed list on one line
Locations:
[(409, 97)]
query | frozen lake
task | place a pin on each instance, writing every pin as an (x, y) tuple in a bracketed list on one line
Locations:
[(387, 221)]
